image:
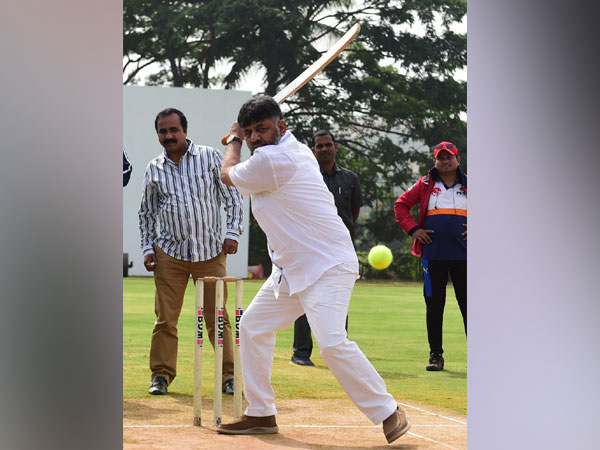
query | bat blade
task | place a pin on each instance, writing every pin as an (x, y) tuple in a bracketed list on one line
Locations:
[(318, 65), (314, 68)]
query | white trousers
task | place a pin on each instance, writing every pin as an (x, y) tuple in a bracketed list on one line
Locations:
[(325, 304)]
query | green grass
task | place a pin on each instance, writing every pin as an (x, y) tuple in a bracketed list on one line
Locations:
[(387, 321)]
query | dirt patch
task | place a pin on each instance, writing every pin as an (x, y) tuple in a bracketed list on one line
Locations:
[(165, 423)]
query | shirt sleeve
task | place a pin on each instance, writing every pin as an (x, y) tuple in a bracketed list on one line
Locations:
[(147, 214), (357, 200), (254, 175), (403, 205), (232, 199)]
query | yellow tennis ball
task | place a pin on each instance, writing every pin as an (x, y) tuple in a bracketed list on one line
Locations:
[(380, 257)]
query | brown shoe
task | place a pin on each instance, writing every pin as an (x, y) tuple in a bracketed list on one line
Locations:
[(251, 425), (395, 425)]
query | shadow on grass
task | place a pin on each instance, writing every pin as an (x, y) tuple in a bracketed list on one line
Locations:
[(454, 374), (386, 375), (181, 397)]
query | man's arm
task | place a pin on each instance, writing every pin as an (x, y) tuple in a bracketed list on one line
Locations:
[(357, 201), (232, 153), (403, 205), (147, 222), (233, 202)]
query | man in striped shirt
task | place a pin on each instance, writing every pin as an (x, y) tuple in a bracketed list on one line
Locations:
[(180, 226)]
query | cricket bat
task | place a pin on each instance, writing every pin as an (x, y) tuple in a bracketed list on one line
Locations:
[(314, 68)]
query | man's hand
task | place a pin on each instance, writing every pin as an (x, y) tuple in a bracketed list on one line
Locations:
[(236, 130), (230, 247), (464, 233), (423, 236), (232, 153), (150, 262)]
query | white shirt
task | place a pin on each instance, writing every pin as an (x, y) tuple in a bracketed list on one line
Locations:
[(293, 206), (445, 200)]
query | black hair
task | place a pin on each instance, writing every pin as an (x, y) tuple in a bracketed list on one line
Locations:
[(168, 112), (323, 133), (259, 107)]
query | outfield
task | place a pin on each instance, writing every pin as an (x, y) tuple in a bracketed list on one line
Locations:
[(387, 320)]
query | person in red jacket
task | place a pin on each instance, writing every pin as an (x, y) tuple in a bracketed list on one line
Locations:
[(440, 239)]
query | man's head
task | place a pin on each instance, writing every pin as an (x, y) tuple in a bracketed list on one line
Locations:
[(445, 157), (262, 121), (324, 147), (171, 127)]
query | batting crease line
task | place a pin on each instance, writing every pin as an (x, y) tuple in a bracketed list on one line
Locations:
[(432, 440), (433, 414), (315, 426), (300, 426)]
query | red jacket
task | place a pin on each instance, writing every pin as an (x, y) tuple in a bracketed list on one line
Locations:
[(419, 193)]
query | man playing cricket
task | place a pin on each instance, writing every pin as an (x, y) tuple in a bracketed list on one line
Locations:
[(314, 270)]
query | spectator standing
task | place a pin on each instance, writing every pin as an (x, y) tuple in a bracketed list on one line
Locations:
[(440, 239), (184, 193)]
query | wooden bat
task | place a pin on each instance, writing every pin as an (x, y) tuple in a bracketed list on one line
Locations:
[(314, 68)]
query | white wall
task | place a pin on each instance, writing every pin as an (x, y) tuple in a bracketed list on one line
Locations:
[(210, 114)]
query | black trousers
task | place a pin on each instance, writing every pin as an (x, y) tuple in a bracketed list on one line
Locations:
[(434, 291), (303, 343)]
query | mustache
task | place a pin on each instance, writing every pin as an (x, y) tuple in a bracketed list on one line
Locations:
[(170, 141), (256, 144), (260, 143)]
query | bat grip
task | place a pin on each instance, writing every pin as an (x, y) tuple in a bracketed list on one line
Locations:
[(224, 140)]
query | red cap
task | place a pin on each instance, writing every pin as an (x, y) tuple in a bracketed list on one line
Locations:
[(447, 146)]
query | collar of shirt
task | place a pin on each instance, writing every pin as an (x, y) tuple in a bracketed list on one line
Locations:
[(191, 149), (461, 177), (336, 168), (285, 137), (285, 143)]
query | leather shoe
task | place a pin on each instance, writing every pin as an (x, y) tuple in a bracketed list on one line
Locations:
[(301, 361), (436, 362), (158, 386), (396, 425), (228, 387), (250, 425)]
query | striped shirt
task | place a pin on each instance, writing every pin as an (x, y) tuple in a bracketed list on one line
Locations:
[(180, 209)]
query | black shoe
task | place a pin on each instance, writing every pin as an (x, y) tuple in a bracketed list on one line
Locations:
[(228, 387), (158, 386), (436, 362), (301, 361)]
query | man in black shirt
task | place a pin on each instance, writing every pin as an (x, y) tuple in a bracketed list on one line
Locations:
[(345, 187)]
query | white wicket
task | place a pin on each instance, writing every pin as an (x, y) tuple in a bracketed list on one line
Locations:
[(219, 336)]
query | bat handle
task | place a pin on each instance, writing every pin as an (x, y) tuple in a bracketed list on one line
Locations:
[(224, 140)]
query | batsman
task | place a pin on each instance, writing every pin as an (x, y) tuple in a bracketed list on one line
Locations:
[(314, 270)]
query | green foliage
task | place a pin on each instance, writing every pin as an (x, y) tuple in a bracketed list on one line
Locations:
[(386, 320), (388, 98)]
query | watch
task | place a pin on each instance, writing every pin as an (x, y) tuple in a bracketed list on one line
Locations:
[(232, 138)]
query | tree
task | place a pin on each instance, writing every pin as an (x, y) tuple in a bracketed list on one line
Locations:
[(389, 98)]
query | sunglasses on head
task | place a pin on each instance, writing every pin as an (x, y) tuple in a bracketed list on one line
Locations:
[(445, 147)]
